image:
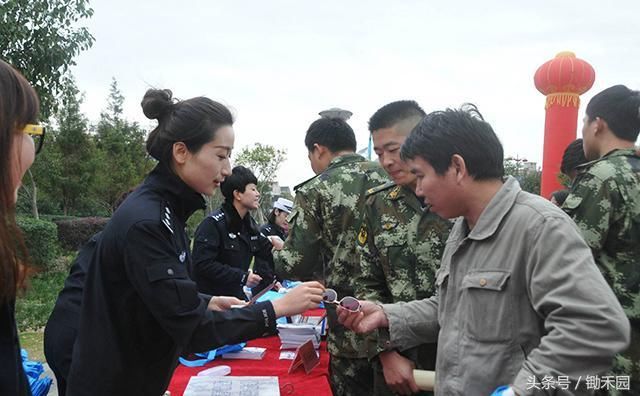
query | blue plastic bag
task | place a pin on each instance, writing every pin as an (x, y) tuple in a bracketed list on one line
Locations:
[(33, 370)]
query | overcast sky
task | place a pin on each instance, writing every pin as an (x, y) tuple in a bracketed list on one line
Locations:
[(278, 63)]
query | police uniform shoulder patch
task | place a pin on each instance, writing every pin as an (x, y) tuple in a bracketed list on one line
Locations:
[(362, 235), (166, 217), (379, 188), (218, 215)]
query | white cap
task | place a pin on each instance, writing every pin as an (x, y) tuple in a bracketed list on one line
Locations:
[(283, 204)]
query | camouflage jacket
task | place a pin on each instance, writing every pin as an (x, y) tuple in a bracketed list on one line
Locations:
[(401, 246), (605, 203), (322, 239)]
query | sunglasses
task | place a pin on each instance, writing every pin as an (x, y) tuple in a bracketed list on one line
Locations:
[(349, 303), (37, 134)]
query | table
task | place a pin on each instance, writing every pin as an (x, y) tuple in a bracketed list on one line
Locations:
[(315, 383)]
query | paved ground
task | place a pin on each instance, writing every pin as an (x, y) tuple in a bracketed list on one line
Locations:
[(53, 391)]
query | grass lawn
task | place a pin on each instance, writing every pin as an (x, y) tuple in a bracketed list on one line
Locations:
[(33, 342)]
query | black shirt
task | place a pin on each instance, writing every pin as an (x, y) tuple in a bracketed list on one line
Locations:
[(140, 310)]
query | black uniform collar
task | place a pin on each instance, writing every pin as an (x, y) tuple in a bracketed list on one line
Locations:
[(182, 198), (235, 222)]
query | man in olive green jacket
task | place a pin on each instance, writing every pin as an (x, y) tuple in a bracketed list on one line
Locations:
[(519, 298)]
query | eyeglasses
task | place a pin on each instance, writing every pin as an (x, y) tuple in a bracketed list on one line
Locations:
[(37, 134), (349, 303)]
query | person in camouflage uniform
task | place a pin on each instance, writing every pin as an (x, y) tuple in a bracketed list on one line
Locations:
[(605, 204), (401, 244), (321, 242)]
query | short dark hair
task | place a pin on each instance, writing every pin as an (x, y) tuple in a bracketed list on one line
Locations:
[(238, 180), (333, 133), (619, 106), (572, 157), (193, 121), (463, 131), (394, 112)]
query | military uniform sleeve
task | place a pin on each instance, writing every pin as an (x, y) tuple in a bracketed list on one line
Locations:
[(590, 206), (160, 279), (584, 322), (301, 257), (206, 250), (370, 283)]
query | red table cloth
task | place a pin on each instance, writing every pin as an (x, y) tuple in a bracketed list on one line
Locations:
[(315, 383)]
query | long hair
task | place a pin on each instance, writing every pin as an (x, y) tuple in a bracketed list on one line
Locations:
[(18, 106)]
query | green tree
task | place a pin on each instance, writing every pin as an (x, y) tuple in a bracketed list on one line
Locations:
[(528, 177), (122, 155), (78, 156), (41, 38), (264, 160)]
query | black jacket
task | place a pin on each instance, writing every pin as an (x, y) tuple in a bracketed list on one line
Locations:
[(140, 310), (62, 327), (224, 245), (13, 381), (273, 229)]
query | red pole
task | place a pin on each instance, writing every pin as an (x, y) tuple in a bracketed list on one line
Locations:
[(562, 79)]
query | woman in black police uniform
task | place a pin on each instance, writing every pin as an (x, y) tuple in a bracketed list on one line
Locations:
[(18, 108), (229, 240), (140, 309), (62, 327), (277, 224)]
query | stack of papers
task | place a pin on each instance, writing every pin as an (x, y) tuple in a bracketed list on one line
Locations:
[(252, 353), (233, 386), (292, 335)]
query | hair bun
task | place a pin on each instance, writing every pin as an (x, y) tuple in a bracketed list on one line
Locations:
[(157, 103)]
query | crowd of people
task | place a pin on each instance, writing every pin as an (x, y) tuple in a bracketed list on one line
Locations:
[(456, 269)]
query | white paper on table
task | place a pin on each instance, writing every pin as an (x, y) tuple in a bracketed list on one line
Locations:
[(287, 355), (233, 386)]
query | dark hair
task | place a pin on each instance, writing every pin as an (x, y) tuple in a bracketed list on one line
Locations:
[(619, 106), (19, 106), (394, 112), (560, 196), (271, 218), (238, 180), (463, 131), (333, 133), (572, 157), (193, 121)]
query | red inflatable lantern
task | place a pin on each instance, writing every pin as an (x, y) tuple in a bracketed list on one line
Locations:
[(562, 80)]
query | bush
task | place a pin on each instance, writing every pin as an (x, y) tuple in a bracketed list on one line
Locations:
[(72, 234), (41, 238), (33, 309)]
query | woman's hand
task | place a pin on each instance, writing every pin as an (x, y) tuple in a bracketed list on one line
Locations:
[(305, 296)]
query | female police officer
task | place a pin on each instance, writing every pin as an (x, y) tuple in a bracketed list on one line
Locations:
[(228, 241), (140, 310)]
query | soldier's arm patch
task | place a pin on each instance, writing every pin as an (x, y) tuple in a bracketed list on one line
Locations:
[(362, 235)]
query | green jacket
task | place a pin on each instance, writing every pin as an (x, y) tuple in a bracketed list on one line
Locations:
[(605, 204), (322, 239), (401, 246)]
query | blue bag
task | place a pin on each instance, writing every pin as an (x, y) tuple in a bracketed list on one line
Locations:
[(33, 370)]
